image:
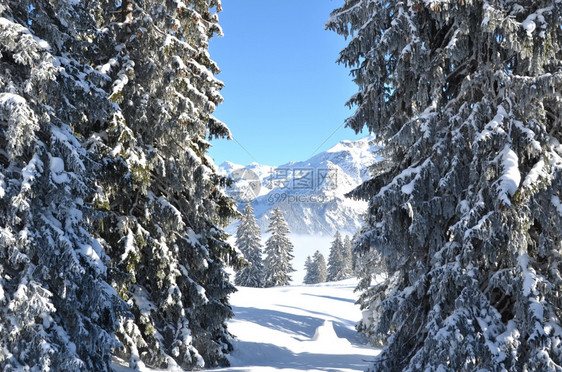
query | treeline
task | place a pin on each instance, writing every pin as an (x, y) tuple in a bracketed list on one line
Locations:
[(341, 263)]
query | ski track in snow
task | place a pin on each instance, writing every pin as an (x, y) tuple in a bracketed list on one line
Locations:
[(292, 329), (296, 328)]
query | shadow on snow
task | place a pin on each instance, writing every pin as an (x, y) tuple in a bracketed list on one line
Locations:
[(331, 297), (280, 321), (269, 355), (344, 328)]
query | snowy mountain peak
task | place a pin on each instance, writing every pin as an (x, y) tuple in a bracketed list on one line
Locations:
[(310, 193)]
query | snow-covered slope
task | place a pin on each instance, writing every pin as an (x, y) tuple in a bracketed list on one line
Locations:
[(309, 193), (298, 328)]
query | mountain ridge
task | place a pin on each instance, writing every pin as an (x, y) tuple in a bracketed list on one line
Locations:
[(310, 193)]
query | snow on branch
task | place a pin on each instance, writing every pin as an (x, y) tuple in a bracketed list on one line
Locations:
[(511, 177)]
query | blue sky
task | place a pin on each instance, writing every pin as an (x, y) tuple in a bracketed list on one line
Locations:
[(284, 94)]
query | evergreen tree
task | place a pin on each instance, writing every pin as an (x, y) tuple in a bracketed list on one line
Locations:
[(321, 269), (347, 253), (279, 252), (316, 269), (58, 311), (105, 111), (248, 240), (466, 212), (308, 276), (163, 198), (336, 264), (356, 257)]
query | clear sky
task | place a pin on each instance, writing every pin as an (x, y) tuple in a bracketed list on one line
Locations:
[(284, 94)]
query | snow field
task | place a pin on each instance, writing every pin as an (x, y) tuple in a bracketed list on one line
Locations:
[(297, 328)]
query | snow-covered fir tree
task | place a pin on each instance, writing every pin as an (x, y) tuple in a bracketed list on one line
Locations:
[(336, 262), (466, 211), (105, 111), (248, 241), (347, 253), (355, 258), (308, 270), (57, 310), (316, 271), (163, 200), (278, 251), (319, 263)]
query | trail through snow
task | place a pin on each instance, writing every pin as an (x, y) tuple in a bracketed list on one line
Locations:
[(298, 328)]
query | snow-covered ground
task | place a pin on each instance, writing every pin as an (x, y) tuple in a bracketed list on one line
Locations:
[(296, 328)]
